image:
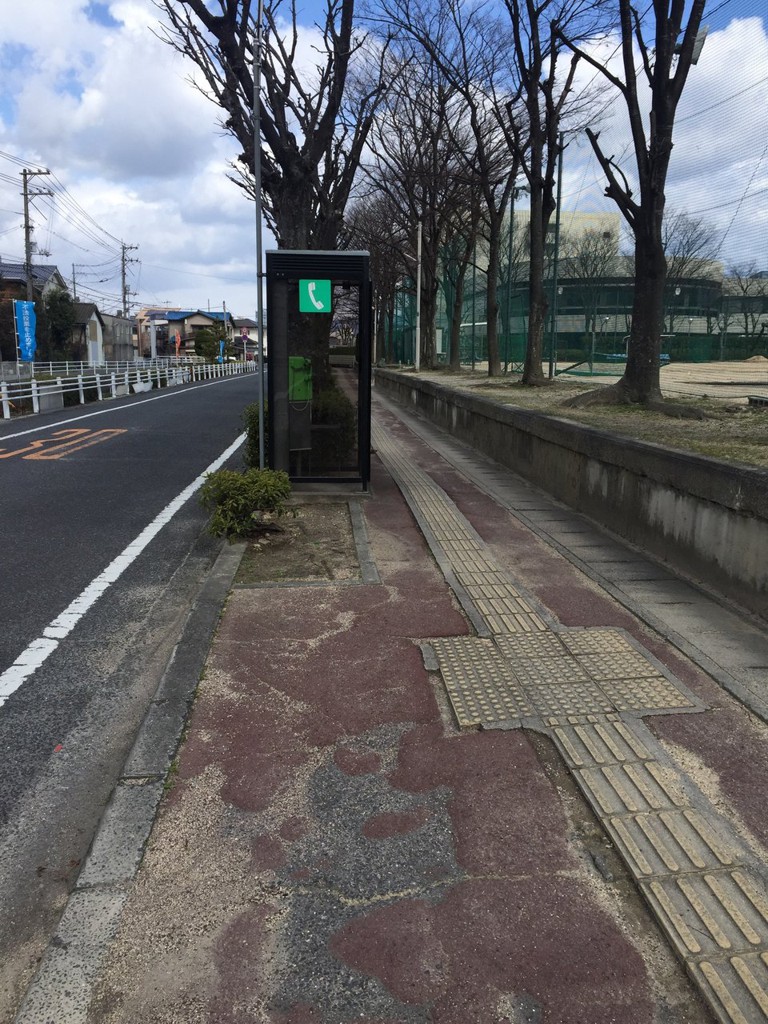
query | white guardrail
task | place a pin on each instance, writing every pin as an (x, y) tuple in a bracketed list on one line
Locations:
[(43, 393)]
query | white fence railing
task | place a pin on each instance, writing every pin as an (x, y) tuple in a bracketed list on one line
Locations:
[(46, 393), (73, 367)]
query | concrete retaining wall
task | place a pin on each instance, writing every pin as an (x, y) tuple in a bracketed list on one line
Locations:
[(704, 517)]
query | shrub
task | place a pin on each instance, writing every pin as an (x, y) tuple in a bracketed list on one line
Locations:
[(243, 503), (251, 424)]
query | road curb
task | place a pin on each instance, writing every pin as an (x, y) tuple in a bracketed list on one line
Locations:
[(70, 966)]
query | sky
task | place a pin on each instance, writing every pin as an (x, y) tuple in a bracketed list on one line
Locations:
[(136, 156)]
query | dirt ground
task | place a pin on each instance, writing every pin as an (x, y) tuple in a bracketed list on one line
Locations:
[(732, 430), (314, 543)]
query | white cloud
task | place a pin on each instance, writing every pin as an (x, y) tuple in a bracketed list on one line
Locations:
[(109, 108), (720, 159)]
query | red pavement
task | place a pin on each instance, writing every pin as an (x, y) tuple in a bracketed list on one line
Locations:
[(335, 850)]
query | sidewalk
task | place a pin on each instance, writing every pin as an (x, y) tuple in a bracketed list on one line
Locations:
[(486, 782)]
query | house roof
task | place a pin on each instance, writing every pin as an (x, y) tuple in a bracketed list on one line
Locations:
[(41, 272), (184, 314), (84, 311)]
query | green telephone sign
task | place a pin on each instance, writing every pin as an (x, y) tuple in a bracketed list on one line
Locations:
[(314, 296)]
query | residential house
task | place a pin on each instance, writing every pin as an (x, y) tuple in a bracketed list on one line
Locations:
[(13, 286), (88, 333), (173, 330), (246, 339), (13, 280), (118, 338)]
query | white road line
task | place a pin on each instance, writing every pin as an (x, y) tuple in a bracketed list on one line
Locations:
[(40, 649), (168, 393)]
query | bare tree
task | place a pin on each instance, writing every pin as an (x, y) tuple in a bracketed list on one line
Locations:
[(417, 143), (587, 259), (666, 60), (314, 122), (463, 231), (468, 45), (746, 291), (371, 225), (690, 246), (536, 111), (513, 274)]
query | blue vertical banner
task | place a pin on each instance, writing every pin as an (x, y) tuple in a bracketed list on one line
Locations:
[(26, 321)]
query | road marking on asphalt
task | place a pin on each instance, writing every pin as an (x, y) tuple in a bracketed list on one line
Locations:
[(43, 646), (167, 393), (61, 443)]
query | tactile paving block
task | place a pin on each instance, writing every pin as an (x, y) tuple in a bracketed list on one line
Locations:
[(604, 742), (596, 641), (554, 672), (671, 842), (617, 665), (480, 683), (710, 913), (632, 787), (737, 986), (648, 693), (566, 698), (531, 646)]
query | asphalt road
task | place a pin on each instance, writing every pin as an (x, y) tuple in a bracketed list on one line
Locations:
[(76, 489)]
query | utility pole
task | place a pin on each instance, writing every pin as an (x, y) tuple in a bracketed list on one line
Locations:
[(26, 174), (124, 261)]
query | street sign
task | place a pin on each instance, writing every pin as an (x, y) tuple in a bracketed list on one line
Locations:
[(314, 296)]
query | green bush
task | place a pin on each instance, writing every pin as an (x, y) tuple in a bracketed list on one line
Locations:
[(241, 503), (251, 424)]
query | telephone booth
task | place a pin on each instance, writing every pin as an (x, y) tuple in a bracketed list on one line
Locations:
[(319, 358)]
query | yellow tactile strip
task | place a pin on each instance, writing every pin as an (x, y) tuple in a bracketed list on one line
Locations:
[(480, 583), (514, 676), (695, 874), (587, 689), (738, 987)]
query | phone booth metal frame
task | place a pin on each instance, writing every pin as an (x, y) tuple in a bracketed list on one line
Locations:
[(285, 269)]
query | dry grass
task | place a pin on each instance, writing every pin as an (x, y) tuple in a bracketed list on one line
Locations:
[(733, 431)]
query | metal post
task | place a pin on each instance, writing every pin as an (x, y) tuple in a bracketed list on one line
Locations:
[(509, 277), (474, 290), (257, 196), (553, 335), (417, 357)]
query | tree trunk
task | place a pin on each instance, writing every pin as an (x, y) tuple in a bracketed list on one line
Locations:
[(537, 296), (458, 306), (391, 331), (538, 304), (428, 314), (492, 298), (640, 382)]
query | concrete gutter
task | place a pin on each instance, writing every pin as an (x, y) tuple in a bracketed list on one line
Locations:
[(61, 991)]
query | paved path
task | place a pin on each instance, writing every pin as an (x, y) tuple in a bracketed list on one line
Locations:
[(507, 775), (589, 689)]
